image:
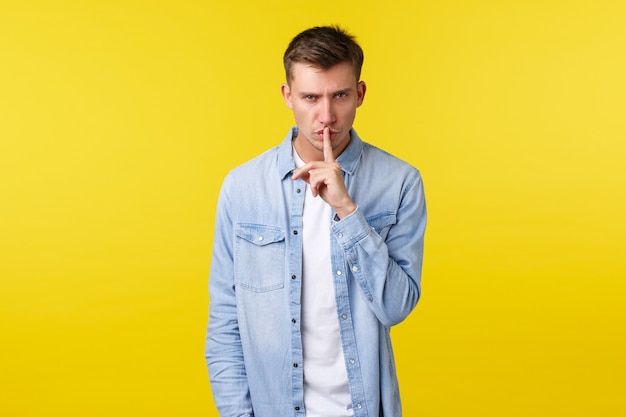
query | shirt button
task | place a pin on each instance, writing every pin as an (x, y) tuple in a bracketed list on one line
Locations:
[(344, 316), (293, 321), (298, 191), (295, 232), (293, 277), (297, 408), (340, 235), (359, 405), (295, 365), (338, 272), (355, 268), (260, 238), (352, 361)]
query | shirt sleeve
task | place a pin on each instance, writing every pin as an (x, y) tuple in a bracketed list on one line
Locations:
[(224, 354), (388, 269)]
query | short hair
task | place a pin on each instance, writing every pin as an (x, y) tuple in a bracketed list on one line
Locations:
[(323, 47)]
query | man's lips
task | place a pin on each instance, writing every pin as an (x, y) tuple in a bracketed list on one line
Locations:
[(320, 134)]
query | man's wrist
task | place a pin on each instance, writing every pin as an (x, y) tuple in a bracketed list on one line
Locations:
[(345, 211)]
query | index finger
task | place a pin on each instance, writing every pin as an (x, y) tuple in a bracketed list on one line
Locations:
[(328, 147)]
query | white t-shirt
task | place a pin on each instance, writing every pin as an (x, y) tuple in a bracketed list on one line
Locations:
[(326, 389)]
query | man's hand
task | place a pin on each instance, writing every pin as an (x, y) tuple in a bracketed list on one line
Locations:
[(325, 179)]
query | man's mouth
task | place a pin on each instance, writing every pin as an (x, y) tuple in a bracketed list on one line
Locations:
[(320, 134)]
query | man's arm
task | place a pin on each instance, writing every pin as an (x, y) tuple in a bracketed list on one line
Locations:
[(388, 271), (224, 353)]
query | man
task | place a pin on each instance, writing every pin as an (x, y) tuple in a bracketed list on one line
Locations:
[(317, 253)]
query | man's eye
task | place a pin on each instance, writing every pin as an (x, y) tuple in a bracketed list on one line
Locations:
[(309, 97), (340, 95)]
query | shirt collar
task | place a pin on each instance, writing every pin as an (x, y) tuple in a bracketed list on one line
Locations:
[(348, 160)]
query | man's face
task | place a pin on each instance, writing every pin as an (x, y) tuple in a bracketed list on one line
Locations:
[(321, 98)]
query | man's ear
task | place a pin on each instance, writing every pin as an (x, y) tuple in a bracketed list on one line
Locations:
[(360, 90), (286, 92)]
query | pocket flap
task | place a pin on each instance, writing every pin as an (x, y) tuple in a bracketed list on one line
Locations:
[(381, 221), (259, 234)]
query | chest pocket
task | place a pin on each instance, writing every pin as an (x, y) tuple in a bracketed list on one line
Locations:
[(381, 223), (259, 257)]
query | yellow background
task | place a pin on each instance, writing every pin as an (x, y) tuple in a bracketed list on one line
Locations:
[(119, 119)]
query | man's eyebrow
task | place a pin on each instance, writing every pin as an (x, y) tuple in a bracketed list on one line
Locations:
[(341, 90), (344, 90)]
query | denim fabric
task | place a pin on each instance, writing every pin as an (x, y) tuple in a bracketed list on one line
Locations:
[(253, 345)]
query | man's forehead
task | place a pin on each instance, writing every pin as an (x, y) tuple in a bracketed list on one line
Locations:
[(342, 73)]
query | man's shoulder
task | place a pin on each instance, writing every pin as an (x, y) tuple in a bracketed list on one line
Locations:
[(254, 175), (380, 159), (271, 161), (264, 160)]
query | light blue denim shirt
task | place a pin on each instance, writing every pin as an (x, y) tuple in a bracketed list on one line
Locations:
[(254, 346)]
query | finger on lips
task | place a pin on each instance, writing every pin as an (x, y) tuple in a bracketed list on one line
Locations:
[(328, 148)]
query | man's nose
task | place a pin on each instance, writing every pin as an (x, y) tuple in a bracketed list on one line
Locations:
[(326, 115)]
